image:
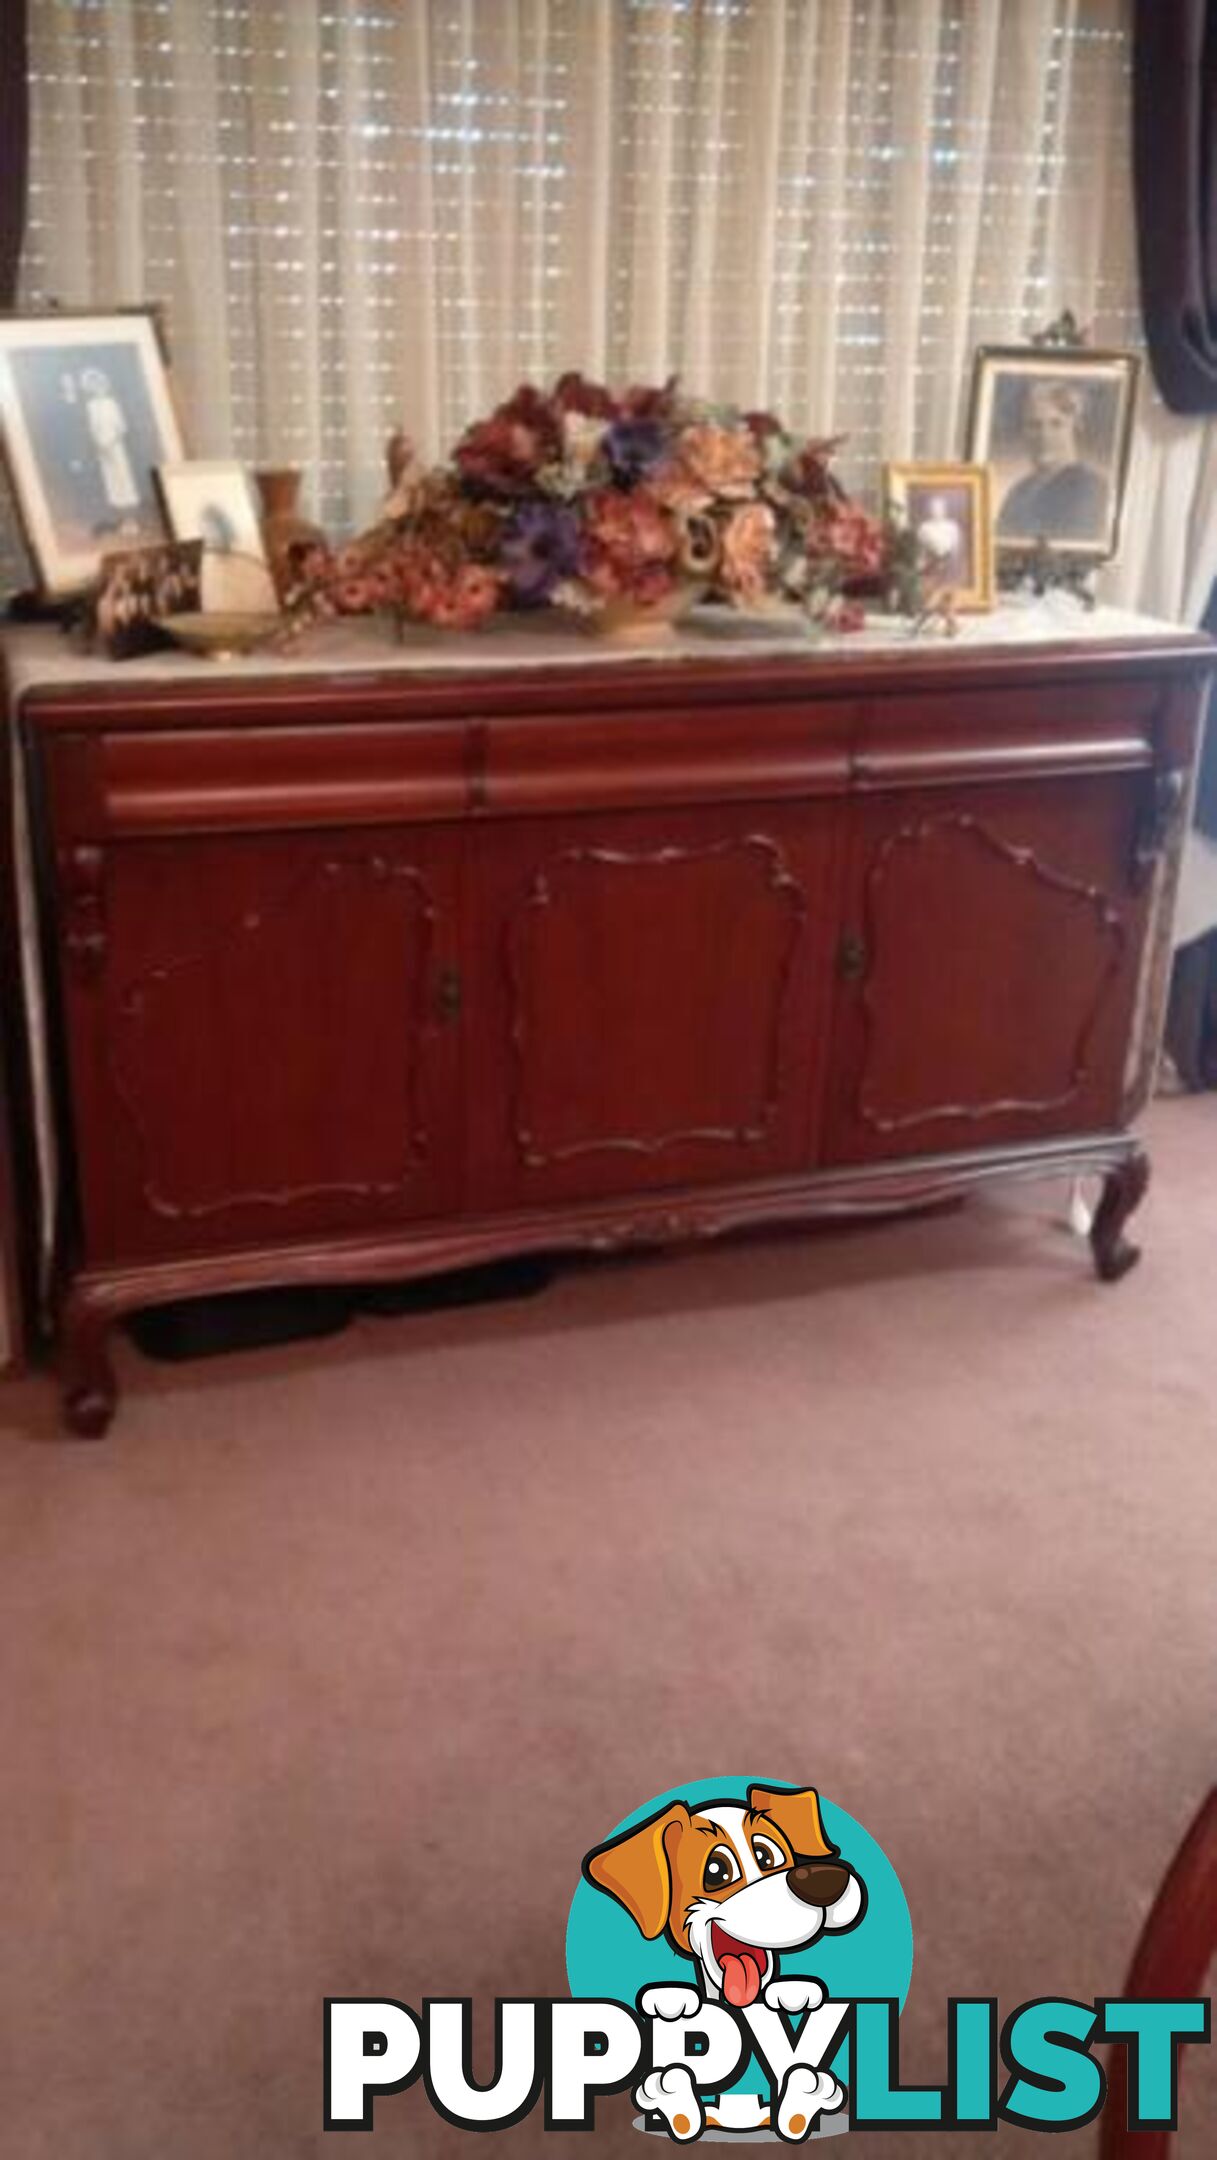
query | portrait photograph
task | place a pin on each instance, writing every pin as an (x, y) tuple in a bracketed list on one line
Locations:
[(87, 415), (139, 589), (212, 500), (1054, 426), (947, 508)]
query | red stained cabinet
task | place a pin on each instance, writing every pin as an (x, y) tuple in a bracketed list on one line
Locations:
[(264, 1032), (993, 943), (652, 993), (374, 976)]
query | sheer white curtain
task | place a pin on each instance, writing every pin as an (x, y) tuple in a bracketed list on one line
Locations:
[(360, 212)]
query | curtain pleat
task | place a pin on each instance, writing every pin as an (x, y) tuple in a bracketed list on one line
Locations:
[(413, 189), (706, 198), (285, 378), (823, 169), (945, 381)]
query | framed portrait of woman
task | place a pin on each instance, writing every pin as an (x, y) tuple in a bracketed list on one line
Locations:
[(1054, 425), (86, 417)]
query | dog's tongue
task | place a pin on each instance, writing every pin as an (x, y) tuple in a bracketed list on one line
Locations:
[(742, 1972)]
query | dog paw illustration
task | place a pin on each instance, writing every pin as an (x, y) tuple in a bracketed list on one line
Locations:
[(672, 2094), (793, 1995), (806, 2095), (669, 2002)]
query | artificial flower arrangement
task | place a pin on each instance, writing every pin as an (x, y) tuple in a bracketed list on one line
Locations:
[(606, 505)]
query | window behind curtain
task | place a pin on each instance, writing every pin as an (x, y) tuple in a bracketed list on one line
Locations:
[(358, 212)]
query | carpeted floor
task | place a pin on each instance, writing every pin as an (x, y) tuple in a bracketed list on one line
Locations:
[(321, 1674)]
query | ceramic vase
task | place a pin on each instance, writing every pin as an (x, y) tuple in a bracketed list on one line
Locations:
[(286, 532)]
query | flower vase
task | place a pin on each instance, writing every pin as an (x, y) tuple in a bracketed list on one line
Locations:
[(286, 533)]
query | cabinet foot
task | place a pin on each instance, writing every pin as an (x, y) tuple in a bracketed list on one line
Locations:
[(1123, 1191), (90, 1390)]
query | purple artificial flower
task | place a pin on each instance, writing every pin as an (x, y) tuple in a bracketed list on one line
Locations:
[(632, 447), (539, 549)]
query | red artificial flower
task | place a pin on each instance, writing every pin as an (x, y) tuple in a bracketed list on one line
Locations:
[(807, 472), (574, 393), (632, 527), (853, 538), (505, 453), (467, 599)]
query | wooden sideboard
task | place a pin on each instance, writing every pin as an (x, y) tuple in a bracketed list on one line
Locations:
[(362, 976)]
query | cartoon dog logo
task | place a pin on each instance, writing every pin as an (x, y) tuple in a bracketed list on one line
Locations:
[(731, 1887)]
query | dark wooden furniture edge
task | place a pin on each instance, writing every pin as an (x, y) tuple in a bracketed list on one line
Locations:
[(1176, 1946), (95, 1298), (18, 1164)]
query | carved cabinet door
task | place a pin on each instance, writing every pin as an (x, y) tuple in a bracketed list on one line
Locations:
[(650, 1000), (988, 965), (262, 1034)]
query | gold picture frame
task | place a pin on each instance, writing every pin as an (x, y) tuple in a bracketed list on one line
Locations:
[(949, 508), (86, 415)]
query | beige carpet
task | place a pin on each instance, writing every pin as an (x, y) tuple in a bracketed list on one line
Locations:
[(320, 1675)]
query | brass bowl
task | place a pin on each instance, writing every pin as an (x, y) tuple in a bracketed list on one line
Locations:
[(222, 635)]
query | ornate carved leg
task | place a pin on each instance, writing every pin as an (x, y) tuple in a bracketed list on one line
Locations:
[(1123, 1190), (89, 1387)]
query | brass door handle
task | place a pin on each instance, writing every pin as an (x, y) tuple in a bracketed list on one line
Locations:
[(449, 994)]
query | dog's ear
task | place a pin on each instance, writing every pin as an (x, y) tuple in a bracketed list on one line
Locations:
[(635, 1869), (797, 1815)]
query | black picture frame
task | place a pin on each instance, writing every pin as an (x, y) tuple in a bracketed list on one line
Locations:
[(1054, 424)]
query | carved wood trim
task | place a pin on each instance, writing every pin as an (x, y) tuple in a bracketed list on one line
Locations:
[(1027, 863), (400, 1251), (132, 1003), (780, 880), (1174, 1952)]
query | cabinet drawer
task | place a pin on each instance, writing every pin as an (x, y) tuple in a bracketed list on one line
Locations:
[(225, 780), (640, 758), (1006, 734)]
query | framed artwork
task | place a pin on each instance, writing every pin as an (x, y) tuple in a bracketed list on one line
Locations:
[(1054, 424), (86, 416), (213, 501), (948, 508), (138, 588)]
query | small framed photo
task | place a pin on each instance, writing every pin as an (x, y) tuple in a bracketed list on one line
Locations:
[(137, 590), (213, 501), (1054, 423), (948, 509), (86, 416)]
